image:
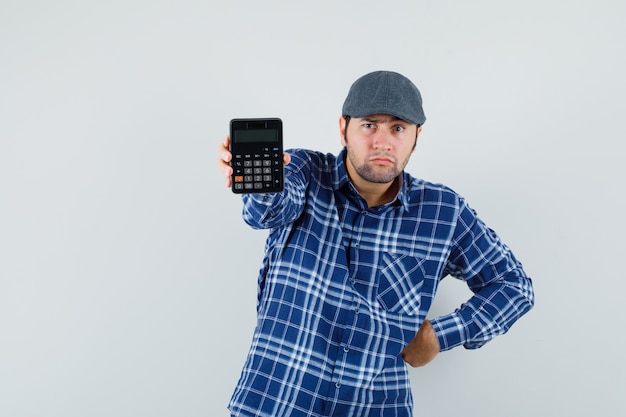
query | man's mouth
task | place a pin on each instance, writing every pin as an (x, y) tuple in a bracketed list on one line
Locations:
[(382, 159)]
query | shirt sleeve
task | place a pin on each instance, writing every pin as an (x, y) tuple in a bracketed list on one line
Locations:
[(271, 210), (502, 290)]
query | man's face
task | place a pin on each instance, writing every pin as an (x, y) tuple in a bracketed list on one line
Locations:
[(378, 146)]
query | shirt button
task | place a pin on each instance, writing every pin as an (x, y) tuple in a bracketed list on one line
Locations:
[(346, 349), (338, 384)]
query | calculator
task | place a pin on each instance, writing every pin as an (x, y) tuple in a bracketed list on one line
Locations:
[(257, 149)]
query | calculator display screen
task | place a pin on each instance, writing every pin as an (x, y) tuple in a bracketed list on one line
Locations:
[(256, 135)]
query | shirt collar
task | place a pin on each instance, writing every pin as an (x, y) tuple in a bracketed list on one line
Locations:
[(342, 179)]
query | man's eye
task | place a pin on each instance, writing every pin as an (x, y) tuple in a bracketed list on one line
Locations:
[(399, 128), (368, 125)]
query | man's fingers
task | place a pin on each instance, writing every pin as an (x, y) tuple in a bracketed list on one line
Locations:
[(223, 160)]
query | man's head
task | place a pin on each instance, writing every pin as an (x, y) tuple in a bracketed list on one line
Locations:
[(382, 117)]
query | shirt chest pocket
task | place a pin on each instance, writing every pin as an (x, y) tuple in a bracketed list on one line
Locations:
[(405, 285)]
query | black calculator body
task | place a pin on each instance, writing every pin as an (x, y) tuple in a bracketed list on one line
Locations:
[(257, 149)]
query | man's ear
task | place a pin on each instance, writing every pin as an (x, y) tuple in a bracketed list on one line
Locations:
[(342, 130), (419, 130)]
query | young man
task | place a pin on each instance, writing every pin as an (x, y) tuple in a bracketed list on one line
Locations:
[(356, 250)]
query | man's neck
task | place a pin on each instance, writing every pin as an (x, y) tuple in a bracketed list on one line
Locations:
[(378, 194)]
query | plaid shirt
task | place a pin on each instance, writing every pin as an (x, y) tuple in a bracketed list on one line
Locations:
[(344, 288)]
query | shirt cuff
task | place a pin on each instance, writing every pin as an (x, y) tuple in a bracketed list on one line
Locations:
[(257, 208), (451, 331)]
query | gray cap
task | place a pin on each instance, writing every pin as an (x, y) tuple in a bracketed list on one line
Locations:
[(385, 92)]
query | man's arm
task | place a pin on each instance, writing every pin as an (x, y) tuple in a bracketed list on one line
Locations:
[(502, 290), (270, 210)]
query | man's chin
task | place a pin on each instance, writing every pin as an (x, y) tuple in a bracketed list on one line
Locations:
[(374, 176)]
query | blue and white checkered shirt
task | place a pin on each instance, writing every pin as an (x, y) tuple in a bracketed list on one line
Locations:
[(344, 288)]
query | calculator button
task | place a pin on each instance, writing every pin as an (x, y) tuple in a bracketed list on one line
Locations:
[(257, 170)]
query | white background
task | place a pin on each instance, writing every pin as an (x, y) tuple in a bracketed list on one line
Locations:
[(127, 277)]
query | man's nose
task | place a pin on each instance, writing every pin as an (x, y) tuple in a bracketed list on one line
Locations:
[(382, 139)]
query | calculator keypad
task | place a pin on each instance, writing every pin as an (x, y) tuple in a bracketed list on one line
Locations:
[(258, 171)]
